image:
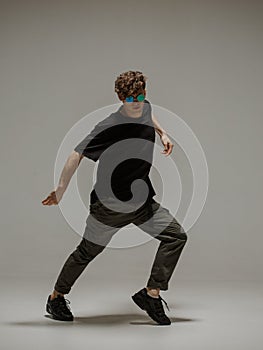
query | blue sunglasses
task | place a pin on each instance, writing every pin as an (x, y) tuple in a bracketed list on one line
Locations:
[(139, 98)]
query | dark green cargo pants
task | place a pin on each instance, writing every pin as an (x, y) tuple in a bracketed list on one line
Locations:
[(103, 222)]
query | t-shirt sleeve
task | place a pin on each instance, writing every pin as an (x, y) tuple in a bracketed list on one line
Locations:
[(94, 143)]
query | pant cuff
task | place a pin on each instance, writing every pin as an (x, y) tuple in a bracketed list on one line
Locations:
[(61, 290), (162, 286)]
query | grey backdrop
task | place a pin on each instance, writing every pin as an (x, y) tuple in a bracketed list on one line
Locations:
[(59, 61)]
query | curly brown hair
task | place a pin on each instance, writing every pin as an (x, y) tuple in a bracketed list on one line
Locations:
[(130, 82)]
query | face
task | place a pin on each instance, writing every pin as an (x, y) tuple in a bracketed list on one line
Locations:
[(136, 106)]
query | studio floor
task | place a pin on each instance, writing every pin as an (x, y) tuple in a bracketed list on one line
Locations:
[(204, 314)]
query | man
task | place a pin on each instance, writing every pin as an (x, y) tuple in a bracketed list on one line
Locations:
[(123, 143)]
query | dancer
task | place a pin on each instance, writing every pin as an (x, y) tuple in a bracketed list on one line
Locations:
[(123, 141)]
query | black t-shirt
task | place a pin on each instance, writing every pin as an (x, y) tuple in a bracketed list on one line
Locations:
[(124, 147)]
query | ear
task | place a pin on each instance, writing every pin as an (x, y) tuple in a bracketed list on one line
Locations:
[(120, 98)]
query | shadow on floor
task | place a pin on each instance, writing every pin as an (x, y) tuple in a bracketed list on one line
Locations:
[(106, 320)]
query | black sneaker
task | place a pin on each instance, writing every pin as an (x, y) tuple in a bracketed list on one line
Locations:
[(59, 308), (153, 306)]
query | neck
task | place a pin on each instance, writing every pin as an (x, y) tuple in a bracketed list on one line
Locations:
[(133, 115)]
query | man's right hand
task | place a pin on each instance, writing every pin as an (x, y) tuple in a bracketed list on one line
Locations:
[(54, 197)]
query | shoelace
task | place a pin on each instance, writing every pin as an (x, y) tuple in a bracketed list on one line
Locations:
[(158, 305), (63, 301), (165, 303)]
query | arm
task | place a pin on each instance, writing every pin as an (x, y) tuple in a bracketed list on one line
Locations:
[(168, 145), (70, 167), (160, 131)]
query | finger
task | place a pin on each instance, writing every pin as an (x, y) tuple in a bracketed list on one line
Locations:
[(46, 200), (170, 148), (165, 147), (49, 196)]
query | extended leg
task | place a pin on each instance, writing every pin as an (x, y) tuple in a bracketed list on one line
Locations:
[(96, 237)]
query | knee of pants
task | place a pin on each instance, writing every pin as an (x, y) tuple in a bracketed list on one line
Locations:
[(178, 231), (181, 234), (184, 237), (88, 250)]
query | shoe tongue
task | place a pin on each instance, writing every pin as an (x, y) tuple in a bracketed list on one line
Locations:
[(59, 296)]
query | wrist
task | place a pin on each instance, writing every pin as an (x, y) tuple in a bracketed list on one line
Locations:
[(162, 133), (61, 188)]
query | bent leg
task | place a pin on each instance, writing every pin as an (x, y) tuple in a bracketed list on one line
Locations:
[(160, 224)]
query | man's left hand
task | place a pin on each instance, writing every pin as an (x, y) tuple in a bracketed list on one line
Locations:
[(168, 145)]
